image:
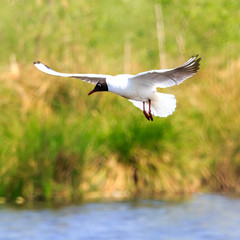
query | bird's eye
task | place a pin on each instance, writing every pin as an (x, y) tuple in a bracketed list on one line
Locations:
[(99, 85)]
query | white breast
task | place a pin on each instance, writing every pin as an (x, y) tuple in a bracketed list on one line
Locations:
[(122, 86)]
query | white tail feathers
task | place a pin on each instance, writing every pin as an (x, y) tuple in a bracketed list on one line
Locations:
[(162, 104)]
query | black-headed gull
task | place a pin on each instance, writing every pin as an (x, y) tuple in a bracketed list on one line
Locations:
[(140, 89)]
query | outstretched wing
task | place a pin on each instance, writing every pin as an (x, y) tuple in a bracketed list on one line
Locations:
[(91, 78), (168, 77)]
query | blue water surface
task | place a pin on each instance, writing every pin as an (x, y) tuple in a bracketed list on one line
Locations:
[(200, 217)]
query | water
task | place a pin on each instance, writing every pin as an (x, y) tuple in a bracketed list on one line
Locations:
[(200, 217)]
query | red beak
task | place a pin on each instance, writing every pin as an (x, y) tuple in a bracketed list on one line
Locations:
[(91, 92)]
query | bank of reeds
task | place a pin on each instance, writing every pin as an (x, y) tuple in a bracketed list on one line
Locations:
[(58, 143)]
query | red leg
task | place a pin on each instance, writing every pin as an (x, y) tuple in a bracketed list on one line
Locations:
[(149, 111), (145, 113)]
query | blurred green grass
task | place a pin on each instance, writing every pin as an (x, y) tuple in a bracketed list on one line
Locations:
[(58, 143)]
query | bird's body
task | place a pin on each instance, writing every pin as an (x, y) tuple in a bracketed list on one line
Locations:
[(140, 89), (123, 86)]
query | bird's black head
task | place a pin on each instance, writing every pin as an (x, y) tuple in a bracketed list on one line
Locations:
[(100, 86)]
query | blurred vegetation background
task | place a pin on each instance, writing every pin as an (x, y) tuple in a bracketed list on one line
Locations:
[(56, 143)]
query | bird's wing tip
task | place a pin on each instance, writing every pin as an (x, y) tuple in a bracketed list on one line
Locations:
[(197, 58), (44, 68), (41, 66)]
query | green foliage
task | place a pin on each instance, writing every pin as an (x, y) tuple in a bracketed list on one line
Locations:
[(58, 143)]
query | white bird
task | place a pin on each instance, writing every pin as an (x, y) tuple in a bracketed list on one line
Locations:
[(140, 89)]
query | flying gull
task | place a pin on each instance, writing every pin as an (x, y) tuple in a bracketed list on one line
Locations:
[(140, 89)]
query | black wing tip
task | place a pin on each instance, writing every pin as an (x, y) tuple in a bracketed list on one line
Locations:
[(196, 59), (197, 62), (194, 65), (38, 62)]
